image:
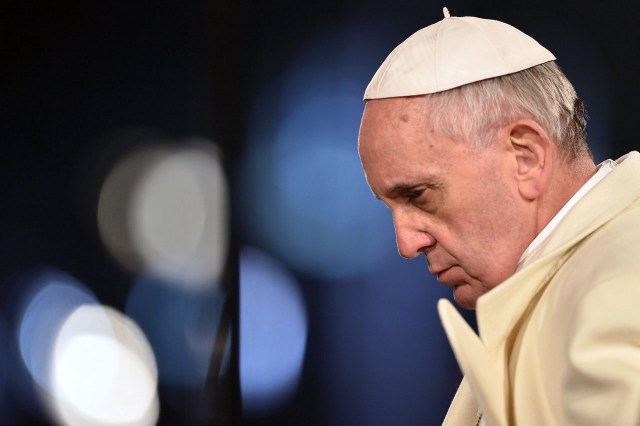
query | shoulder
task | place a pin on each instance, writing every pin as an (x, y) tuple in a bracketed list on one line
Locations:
[(613, 249), (596, 296)]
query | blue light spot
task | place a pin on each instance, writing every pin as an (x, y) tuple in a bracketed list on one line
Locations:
[(54, 297), (304, 195), (273, 333)]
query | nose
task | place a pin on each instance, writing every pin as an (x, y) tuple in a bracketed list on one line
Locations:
[(412, 237)]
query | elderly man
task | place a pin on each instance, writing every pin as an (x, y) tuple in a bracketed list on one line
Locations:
[(475, 140)]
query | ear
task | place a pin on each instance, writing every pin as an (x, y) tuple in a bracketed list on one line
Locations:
[(531, 148)]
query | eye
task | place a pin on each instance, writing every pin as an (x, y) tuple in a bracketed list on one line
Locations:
[(422, 198), (414, 194)]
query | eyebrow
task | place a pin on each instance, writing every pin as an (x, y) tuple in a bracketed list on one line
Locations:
[(405, 189)]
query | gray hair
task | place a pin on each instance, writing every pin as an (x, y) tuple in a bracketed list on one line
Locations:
[(542, 93)]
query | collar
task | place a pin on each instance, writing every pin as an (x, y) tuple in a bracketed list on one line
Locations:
[(604, 169)]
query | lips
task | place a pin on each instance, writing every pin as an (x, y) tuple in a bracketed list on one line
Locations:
[(439, 272)]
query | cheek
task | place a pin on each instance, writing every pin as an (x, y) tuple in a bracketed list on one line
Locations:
[(502, 241), (484, 234)]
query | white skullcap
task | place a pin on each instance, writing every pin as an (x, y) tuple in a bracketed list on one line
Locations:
[(454, 52)]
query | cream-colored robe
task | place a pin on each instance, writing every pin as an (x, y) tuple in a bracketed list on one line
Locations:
[(559, 341)]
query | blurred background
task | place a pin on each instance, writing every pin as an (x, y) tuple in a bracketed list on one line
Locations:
[(186, 236)]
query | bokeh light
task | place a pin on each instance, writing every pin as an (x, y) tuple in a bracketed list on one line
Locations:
[(163, 211), (90, 365), (51, 297), (273, 333), (104, 371), (303, 193)]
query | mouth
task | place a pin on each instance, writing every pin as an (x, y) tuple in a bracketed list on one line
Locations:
[(441, 276), (440, 273)]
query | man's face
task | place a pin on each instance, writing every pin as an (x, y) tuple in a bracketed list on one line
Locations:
[(458, 205)]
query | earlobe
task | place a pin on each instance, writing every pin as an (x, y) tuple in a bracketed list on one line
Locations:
[(530, 145)]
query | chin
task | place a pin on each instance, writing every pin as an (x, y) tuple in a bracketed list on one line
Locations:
[(463, 298)]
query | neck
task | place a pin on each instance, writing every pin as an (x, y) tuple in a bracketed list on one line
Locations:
[(565, 182)]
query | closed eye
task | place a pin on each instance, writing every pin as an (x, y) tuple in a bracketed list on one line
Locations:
[(413, 194), (423, 196)]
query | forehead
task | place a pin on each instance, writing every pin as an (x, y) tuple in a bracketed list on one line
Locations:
[(395, 132), (392, 114)]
